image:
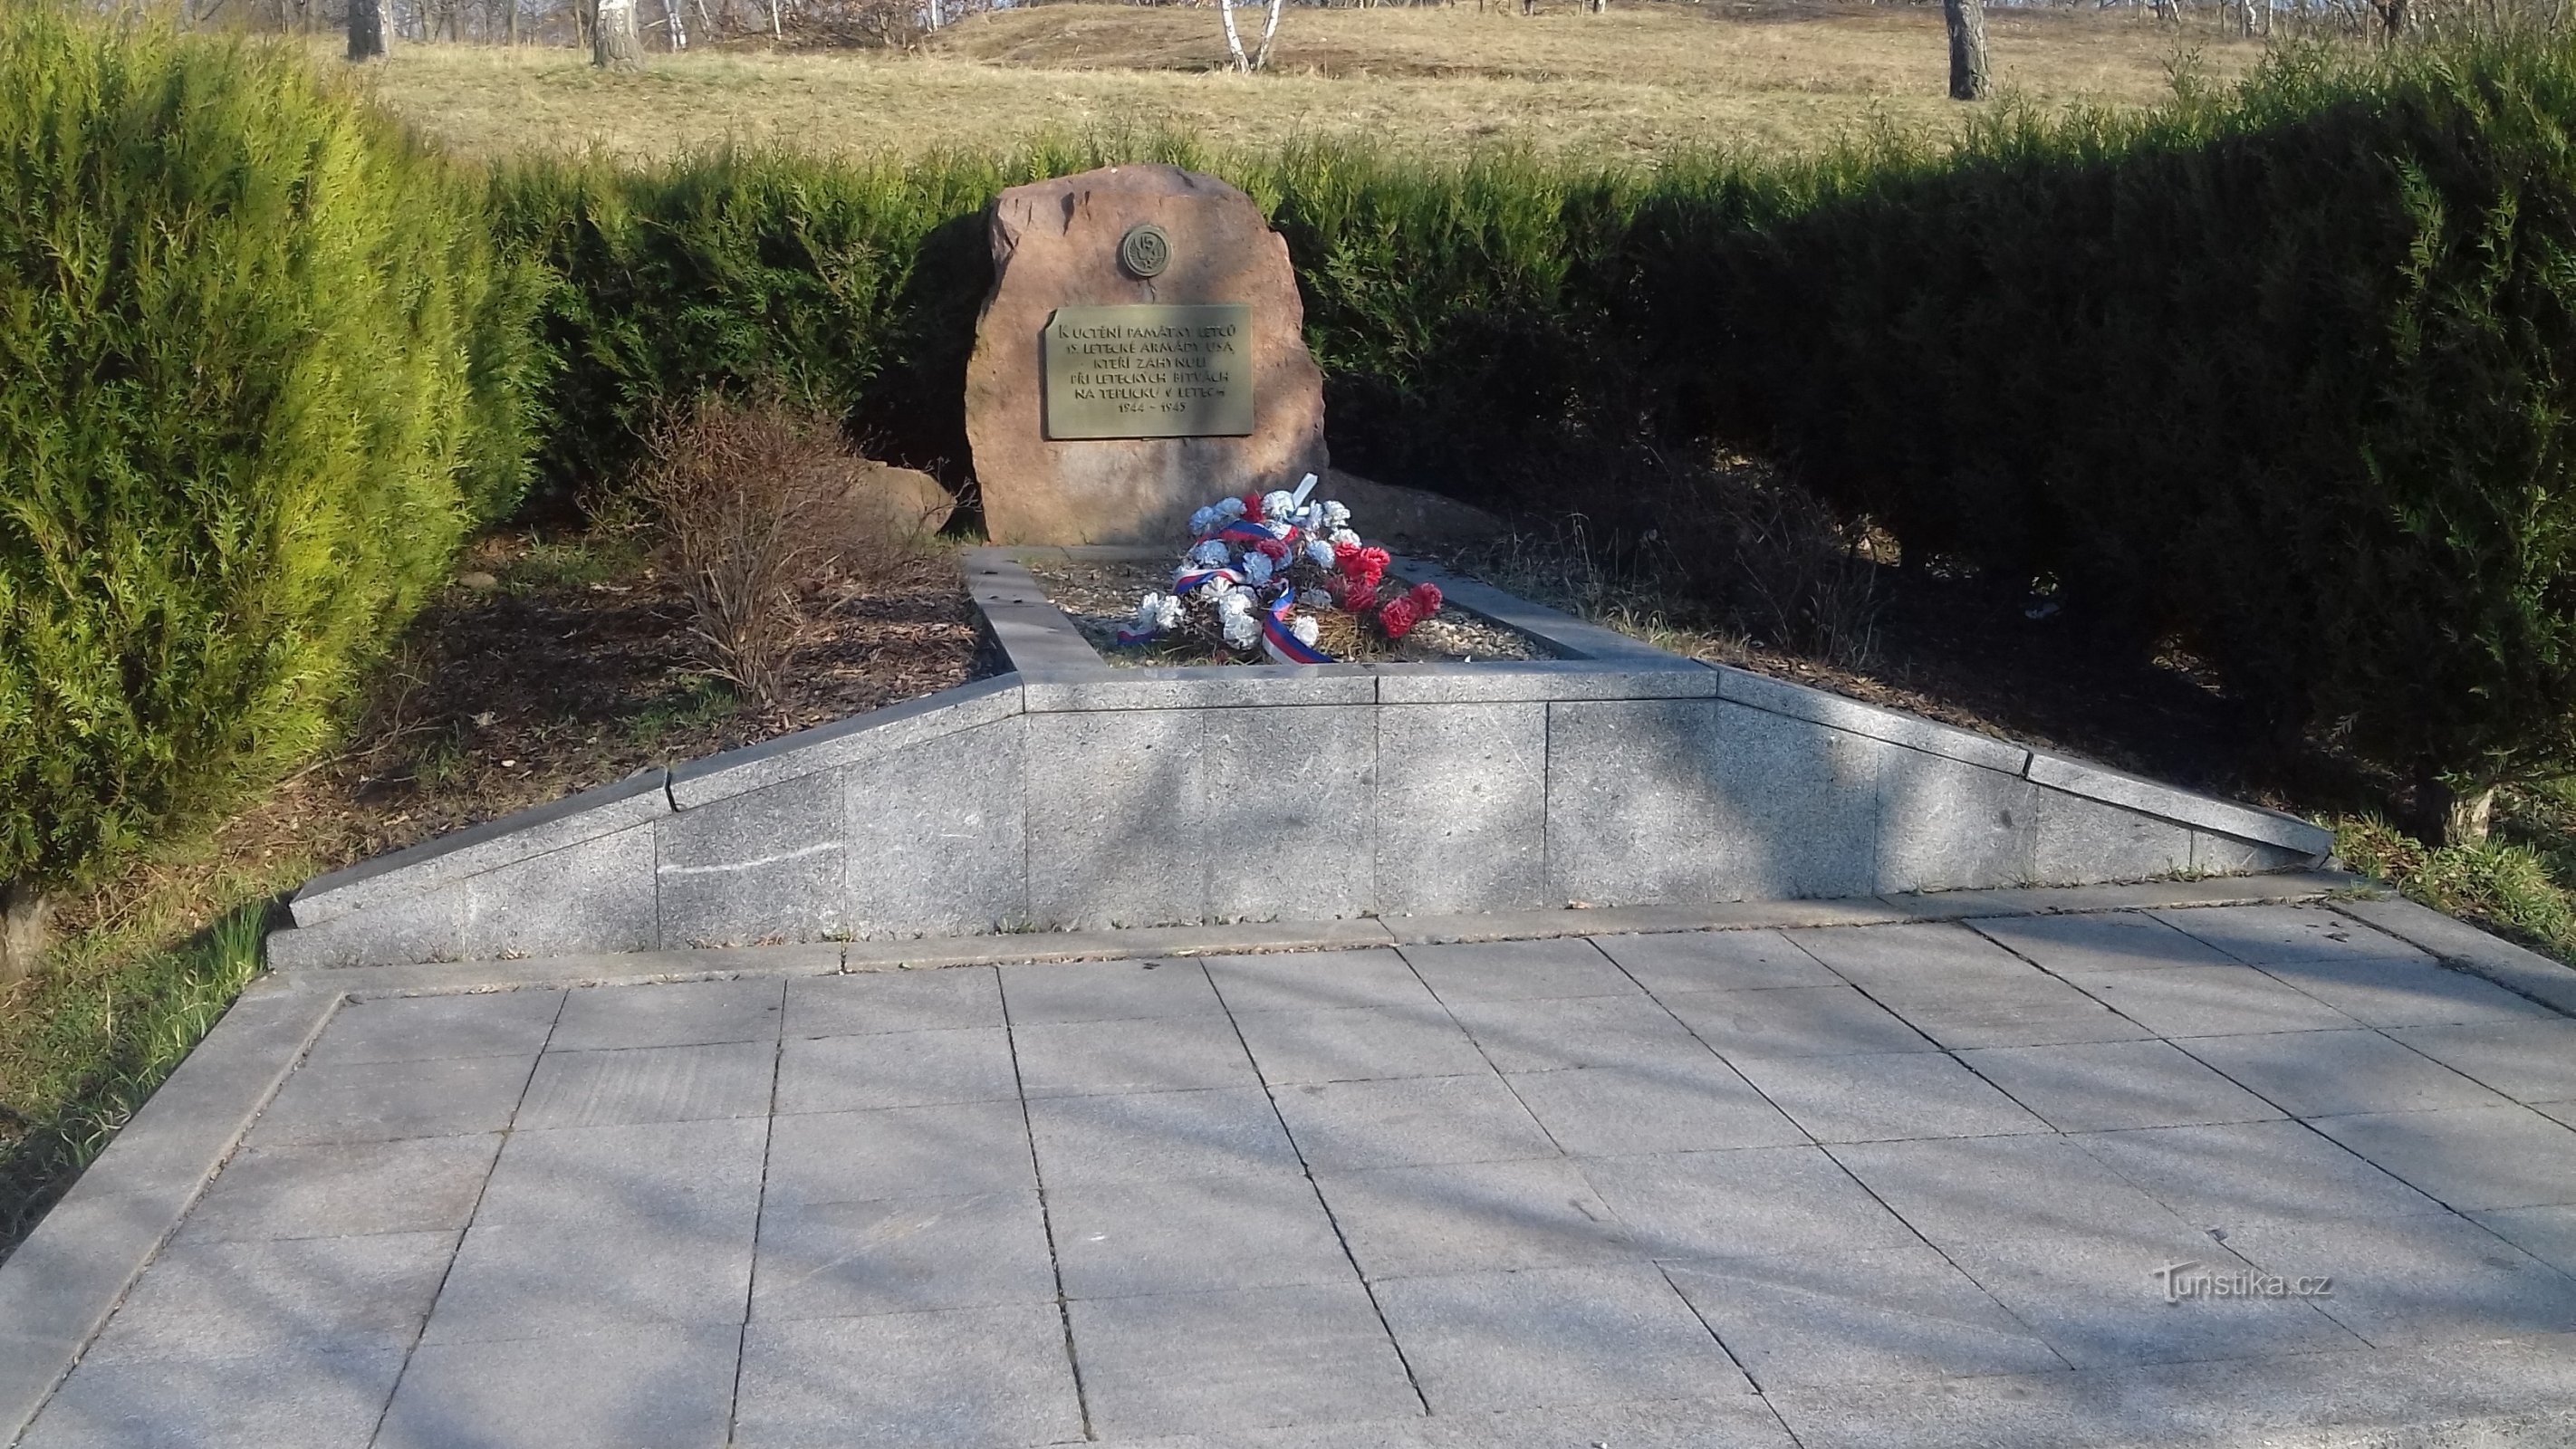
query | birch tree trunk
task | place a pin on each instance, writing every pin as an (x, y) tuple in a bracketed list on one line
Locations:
[(1269, 32), (1233, 40), (679, 28), (369, 29), (1967, 23), (614, 45)]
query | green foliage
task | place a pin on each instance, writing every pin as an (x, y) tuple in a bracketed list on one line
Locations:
[(260, 367), (2289, 373)]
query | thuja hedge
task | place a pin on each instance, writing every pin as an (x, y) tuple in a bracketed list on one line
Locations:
[(2284, 371), (261, 366), (2290, 372)]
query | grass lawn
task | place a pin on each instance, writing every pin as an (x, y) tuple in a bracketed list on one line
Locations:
[(1628, 84)]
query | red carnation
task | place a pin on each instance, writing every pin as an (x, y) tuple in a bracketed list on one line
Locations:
[(1343, 553), (1277, 548), (1426, 599), (1397, 616), (1252, 506)]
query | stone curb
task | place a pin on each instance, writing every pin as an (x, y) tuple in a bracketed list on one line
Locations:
[(2459, 944), (1254, 938), (2136, 792), (432, 863), (58, 1288)]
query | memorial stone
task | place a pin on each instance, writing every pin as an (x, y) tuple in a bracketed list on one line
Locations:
[(1142, 350)]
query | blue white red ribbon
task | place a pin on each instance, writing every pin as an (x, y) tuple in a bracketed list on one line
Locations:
[(1279, 642)]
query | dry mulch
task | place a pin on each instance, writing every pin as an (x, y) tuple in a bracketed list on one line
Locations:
[(552, 667)]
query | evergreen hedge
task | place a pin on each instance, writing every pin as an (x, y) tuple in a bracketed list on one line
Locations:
[(2284, 371), (261, 366)]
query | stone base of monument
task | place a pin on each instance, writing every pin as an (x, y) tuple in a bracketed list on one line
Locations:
[(1068, 794)]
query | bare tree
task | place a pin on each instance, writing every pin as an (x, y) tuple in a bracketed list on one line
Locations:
[(369, 29), (614, 45), (1967, 24), (679, 28), (1234, 38)]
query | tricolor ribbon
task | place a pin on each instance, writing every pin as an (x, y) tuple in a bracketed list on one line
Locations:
[(1282, 645), (1188, 579)]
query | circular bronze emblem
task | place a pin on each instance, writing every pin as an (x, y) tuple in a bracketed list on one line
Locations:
[(1144, 251)]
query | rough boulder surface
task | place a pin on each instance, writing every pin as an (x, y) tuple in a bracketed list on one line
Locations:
[(1055, 244)]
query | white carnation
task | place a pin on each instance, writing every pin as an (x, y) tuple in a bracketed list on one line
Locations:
[(1278, 505), (1206, 520), (1149, 613), (1242, 630), (1234, 601), (1344, 535), (1335, 515), (1303, 626), (1212, 553), (1319, 552), (1256, 569), (1316, 598), (1230, 506)]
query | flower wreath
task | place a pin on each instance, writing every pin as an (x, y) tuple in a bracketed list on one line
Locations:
[(1255, 561)]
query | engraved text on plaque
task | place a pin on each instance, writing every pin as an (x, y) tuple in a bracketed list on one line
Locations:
[(1149, 371)]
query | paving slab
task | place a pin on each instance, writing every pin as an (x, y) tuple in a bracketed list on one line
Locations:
[(652, 1386), (424, 1028), (2109, 941), (322, 1400), (1194, 1235), (2546, 1233), (708, 1171), (1361, 1044), (2211, 1001), (1553, 1336), (650, 1084), (2034, 1011), (1678, 1104), (1147, 1135), (2529, 1061), (952, 1149), (1887, 1097), (2470, 1158), (1473, 1216), (1916, 957), (675, 1013), (2416, 1280), (1106, 991), (1857, 1315), (383, 1101), (514, 1281), (976, 1376), (2253, 1172), (2103, 1086), (2338, 1073), (1965, 1191), (1802, 1021), (1167, 1054), (337, 1189), (1409, 1122), (867, 1003), (1709, 1205), (901, 1255), (2272, 935), (2098, 1299), (204, 1300), (1316, 981), (1214, 1363), (1685, 961), (896, 1069), (2377, 991), (1585, 1031), (1519, 971)]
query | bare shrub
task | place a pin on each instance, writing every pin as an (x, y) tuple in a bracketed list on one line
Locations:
[(745, 497), (1786, 568)]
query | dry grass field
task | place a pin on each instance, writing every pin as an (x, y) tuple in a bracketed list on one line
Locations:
[(1629, 84)]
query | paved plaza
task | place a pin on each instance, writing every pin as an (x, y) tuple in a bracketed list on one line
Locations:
[(2184, 1176)]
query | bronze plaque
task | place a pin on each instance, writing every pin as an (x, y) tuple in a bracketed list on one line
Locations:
[(1149, 371)]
